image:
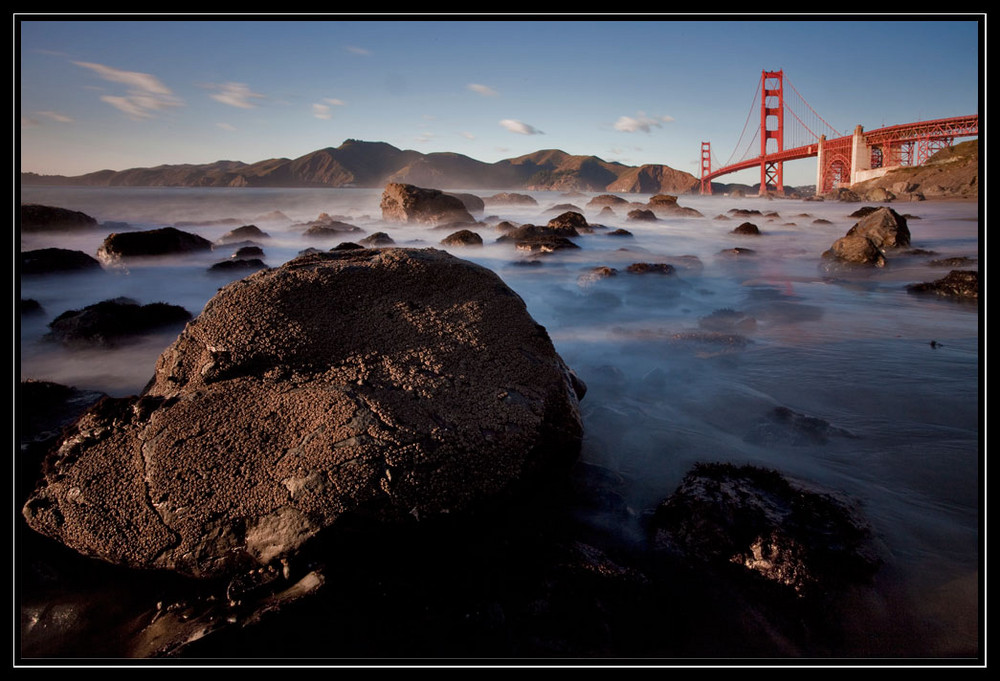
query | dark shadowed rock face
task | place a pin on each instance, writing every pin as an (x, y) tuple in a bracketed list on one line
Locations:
[(112, 322), (760, 524), (395, 385), (163, 241), (411, 204), (46, 260), (35, 218)]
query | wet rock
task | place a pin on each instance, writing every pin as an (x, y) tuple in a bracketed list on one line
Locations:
[(755, 524), (728, 320), (666, 204), (343, 246), (238, 265), (472, 203), (112, 322), (545, 244), (30, 306), (596, 274), (49, 260), (884, 227), (620, 232), (377, 239), (651, 268), (737, 252), (334, 229), (641, 215), (569, 224), (248, 252), (564, 208), (784, 426), (394, 386), (153, 242), (747, 228), (511, 199), (412, 204), (463, 237), (244, 233), (606, 200), (958, 261), (37, 218), (961, 284), (744, 212), (855, 249)]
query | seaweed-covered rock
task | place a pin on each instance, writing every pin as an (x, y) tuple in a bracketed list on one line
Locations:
[(391, 386)]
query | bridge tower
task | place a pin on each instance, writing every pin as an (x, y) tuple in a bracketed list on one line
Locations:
[(706, 168), (772, 127)]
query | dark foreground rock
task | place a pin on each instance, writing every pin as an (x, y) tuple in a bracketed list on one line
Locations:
[(110, 323), (37, 218), (153, 242), (49, 260), (959, 284), (389, 386), (754, 523)]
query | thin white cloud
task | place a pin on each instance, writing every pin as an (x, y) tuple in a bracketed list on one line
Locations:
[(641, 123), (226, 126), (55, 116), (323, 110), (143, 82), (520, 127), (467, 135), (484, 90), (126, 106), (236, 94), (146, 93), (29, 122), (357, 50)]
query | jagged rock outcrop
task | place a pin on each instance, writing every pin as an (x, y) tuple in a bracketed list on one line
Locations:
[(867, 242), (394, 385)]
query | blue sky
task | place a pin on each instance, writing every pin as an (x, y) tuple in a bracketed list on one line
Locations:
[(101, 92)]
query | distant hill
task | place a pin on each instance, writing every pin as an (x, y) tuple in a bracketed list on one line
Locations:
[(373, 164)]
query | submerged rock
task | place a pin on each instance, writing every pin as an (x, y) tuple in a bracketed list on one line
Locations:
[(394, 385), (377, 239), (747, 228)]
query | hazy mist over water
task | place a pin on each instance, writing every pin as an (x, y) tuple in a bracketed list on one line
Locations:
[(854, 349)]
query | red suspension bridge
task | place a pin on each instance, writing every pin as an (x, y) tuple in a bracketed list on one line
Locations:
[(788, 133)]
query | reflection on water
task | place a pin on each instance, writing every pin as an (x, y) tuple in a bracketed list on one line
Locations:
[(680, 368)]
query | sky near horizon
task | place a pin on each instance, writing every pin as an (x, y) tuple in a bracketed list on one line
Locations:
[(115, 92)]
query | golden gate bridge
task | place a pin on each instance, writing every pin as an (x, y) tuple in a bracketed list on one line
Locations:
[(787, 133)]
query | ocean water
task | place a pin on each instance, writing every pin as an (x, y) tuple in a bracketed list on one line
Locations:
[(897, 374)]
